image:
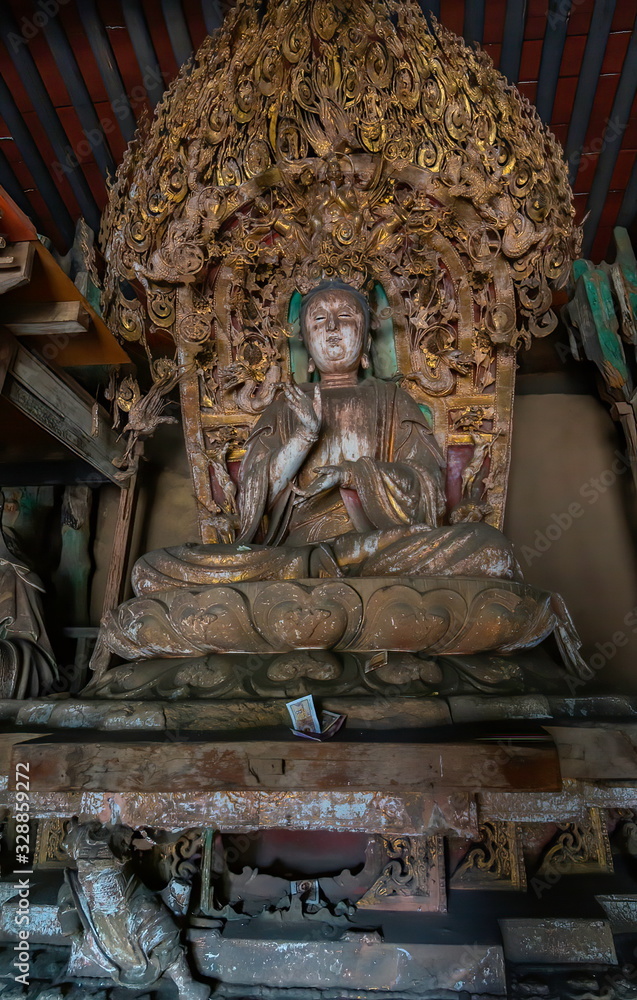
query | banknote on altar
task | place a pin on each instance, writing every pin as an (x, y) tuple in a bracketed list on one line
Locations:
[(303, 715), (305, 721)]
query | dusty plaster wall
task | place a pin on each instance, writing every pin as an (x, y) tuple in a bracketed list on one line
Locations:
[(570, 497), (569, 514), (166, 512)]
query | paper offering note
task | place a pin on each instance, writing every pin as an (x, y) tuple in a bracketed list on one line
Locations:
[(309, 888), (303, 715), (305, 721)]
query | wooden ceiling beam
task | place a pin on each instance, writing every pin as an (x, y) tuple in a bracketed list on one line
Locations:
[(109, 71), (599, 31), (145, 54), (512, 39), (43, 106), (557, 19), (430, 7), (628, 208), (473, 29), (212, 15), (178, 32), (620, 115), (64, 56), (35, 164)]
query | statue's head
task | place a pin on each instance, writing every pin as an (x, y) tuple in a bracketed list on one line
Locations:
[(335, 327), (333, 170)]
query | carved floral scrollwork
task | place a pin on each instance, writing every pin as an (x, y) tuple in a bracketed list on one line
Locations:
[(495, 862), (359, 142), (579, 847), (413, 876)]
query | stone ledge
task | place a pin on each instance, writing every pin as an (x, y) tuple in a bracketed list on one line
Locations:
[(385, 711)]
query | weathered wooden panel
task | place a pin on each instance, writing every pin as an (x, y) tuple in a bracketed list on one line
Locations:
[(64, 410), (392, 814), (353, 965), (18, 272), (558, 941), (29, 318), (290, 766)]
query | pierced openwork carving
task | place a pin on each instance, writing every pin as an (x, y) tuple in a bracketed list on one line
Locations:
[(495, 862), (413, 877), (579, 847), (353, 141)]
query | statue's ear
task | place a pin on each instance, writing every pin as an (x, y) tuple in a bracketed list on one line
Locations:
[(311, 366)]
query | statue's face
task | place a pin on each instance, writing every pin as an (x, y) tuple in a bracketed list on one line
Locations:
[(334, 331), (334, 172)]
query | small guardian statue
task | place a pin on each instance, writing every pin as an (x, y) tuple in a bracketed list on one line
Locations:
[(114, 919)]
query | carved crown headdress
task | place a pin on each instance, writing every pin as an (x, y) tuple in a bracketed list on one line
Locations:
[(352, 140)]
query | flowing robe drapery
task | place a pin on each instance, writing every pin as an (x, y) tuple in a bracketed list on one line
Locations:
[(387, 521), (396, 467)]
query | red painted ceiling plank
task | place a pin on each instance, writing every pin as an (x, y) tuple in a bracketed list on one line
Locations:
[(564, 99), (528, 89), (46, 65), (585, 173), (606, 224), (530, 60), (602, 109), (109, 123), (493, 49), (452, 15), (560, 132), (580, 20), (494, 15), (615, 51), (96, 183), (196, 23), (624, 16), (111, 13), (623, 169), (72, 24), (573, 55), (82, 151), (535, 26), (630, 134)]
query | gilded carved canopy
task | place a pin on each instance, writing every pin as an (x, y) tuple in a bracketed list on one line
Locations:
[(351, 139)]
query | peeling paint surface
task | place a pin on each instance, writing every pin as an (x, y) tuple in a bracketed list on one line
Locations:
[(559, 940), (351, 965)]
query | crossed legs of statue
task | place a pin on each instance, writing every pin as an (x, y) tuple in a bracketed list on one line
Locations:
[(477, 550)]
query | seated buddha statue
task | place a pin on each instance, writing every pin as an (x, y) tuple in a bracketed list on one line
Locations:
[(340, 478)]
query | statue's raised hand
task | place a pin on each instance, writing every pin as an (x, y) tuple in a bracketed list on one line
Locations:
[(307, 409)]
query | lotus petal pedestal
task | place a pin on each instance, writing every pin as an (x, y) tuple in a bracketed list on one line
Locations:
[(445, 615)]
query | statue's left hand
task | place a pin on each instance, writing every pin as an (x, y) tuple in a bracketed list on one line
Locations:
[(328, 476)]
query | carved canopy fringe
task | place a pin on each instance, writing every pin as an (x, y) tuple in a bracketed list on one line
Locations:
[(346, 139)]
